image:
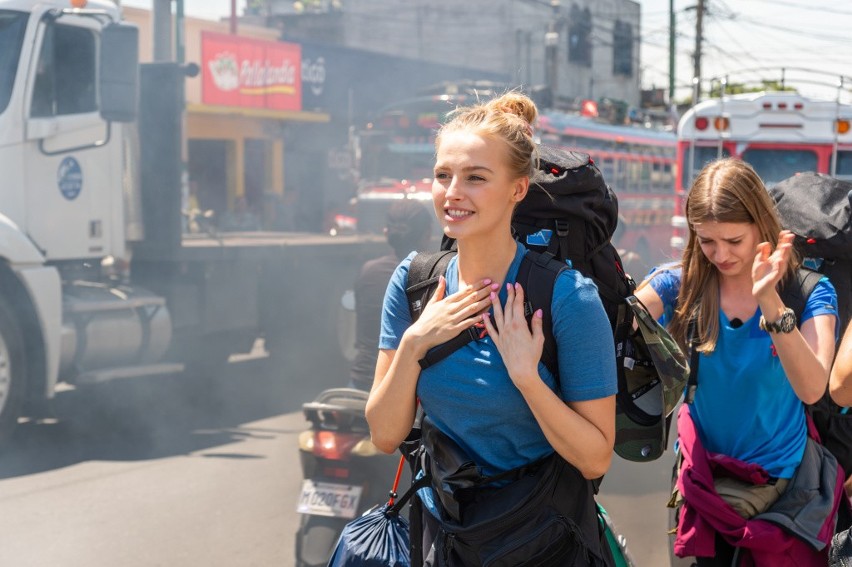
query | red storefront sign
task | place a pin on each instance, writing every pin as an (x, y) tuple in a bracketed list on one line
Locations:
[(251, 73)]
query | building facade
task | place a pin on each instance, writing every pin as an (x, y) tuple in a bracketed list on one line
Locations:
[(246, 94), (583, 49), (268, 122)]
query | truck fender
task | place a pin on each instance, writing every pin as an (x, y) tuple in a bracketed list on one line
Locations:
[(36, 292), (16, 247), (43, 285)]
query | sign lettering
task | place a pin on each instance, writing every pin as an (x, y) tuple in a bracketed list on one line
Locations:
[(251, 73)]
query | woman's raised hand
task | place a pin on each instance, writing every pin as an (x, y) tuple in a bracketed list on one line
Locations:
[(519, 345), (444, 316), (770, 265)]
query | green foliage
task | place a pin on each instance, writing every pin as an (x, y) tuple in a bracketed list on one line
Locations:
[(740, 88), (255, 7)]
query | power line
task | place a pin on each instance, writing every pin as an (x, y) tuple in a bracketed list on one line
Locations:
[(821, 36), (810, 7), (734, 40)]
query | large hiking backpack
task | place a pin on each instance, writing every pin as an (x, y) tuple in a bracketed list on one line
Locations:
[(566, 221), (817, 208)]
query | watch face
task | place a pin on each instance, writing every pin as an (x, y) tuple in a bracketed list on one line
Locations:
[(788, 321)]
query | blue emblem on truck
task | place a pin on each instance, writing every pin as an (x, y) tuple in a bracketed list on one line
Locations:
[(69, 177)]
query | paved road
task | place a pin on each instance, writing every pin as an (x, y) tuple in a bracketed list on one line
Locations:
[(150, 473)]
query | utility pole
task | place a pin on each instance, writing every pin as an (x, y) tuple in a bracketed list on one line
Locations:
[(699, 31), (233, 20), (180, 39), (551, 45), (671, 52), (162, 17)]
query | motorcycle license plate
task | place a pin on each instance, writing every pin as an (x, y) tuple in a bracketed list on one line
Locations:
[(326, 499)]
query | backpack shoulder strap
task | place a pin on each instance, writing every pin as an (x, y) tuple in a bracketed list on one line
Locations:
[(537, 274), (694, 358), (423, 278), (795, 295)]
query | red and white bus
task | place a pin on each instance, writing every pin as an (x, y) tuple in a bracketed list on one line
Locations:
[(778, 133), (639, 164)]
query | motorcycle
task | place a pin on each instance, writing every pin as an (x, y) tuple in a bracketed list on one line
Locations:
[(344, 473)]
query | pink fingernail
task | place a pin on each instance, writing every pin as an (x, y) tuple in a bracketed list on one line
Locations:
[(486, 281), (493, 296), (517, 285), (539, 314), (508, 287), (495, 286)]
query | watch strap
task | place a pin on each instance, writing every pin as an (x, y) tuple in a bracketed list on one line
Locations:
[(785, 323)]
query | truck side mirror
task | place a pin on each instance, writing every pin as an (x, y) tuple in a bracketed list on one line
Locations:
[(118, 80)]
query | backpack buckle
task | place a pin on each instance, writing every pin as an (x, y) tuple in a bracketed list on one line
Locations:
[(561, 227), (477, 331)]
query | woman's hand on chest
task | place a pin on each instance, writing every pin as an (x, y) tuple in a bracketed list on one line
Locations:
[(519, 343), (445, 316)]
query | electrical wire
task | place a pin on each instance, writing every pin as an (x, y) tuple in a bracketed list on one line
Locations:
[(814, 7)]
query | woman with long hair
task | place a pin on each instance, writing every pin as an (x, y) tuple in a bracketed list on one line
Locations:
[(755, 365)]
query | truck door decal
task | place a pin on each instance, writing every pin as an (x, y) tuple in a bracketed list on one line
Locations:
[(69, 177)]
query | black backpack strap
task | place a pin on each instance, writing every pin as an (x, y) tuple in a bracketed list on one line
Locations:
[(537, 274), (796, 296), (438, 353), (694, 356), (423, 278)]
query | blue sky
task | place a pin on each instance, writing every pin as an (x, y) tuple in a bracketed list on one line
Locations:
[(753, 43)]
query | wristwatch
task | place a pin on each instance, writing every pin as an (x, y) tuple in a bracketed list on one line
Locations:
[(785, 324)]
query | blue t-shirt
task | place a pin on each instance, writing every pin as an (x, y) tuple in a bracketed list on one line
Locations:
[(744, 406), (469, 394)]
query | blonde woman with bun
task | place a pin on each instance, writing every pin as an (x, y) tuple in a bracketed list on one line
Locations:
[(493, 397)]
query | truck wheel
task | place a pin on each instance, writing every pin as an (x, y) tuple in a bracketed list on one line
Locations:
[(13, 370)]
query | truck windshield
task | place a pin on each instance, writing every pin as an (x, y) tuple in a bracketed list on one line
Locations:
[(12, 26)]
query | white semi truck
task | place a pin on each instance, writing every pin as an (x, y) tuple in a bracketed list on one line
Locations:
[(97, 280)]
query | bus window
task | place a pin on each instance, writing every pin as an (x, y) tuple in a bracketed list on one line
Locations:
[(775, 165), (380, 158), (844, 163), (607, 167), (702, 156)]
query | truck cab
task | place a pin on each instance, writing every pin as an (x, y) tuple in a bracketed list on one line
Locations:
[(64, 167)]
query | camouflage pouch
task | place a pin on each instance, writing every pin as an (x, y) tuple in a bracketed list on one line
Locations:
[(651, 383)]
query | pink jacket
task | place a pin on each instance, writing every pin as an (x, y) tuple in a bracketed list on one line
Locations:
[(704, 512)]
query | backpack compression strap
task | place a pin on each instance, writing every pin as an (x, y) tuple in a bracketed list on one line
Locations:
[(795, 296)]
